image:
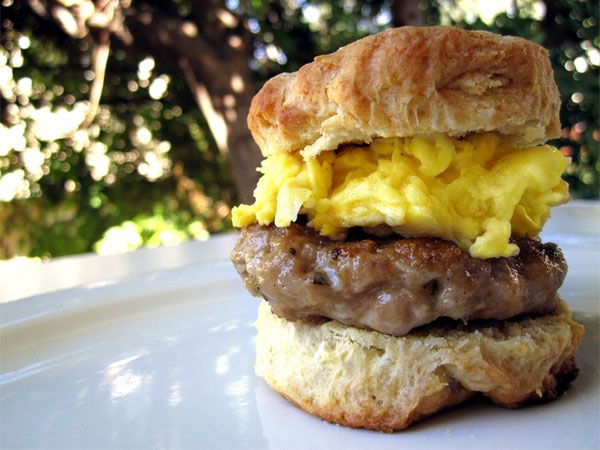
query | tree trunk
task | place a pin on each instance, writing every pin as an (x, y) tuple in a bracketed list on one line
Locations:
[(212, 51), (554, 34), (407, 12)]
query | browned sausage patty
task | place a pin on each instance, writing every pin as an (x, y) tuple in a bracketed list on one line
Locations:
[(393, 286)]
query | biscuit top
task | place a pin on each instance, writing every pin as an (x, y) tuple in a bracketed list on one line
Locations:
[(409, 81)]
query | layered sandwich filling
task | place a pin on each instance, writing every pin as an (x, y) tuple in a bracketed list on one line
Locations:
[(476, 191)]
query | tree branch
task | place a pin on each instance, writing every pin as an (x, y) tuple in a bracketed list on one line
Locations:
[(99, 61), (215, 120)]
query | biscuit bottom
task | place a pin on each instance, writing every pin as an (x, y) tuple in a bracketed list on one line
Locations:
[(362, 378)]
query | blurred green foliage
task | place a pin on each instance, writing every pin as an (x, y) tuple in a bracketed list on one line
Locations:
[(146, 170), (141, 157)]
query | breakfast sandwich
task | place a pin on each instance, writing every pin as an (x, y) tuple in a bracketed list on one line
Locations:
[(393, 236)]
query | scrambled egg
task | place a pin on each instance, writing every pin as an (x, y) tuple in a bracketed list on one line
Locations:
[(474, 191)]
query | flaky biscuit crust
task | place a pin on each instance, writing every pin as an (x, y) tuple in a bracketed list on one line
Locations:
[(362, 378), (408, 81)]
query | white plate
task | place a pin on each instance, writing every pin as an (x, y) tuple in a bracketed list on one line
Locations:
[(165, 361)]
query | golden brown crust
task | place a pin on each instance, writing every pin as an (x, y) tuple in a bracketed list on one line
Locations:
[(367, 379), (554, 384), (407, 81)]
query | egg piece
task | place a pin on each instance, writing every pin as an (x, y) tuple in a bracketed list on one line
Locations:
[(475, 191)]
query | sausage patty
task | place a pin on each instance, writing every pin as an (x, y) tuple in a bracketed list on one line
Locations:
[(393, 286)]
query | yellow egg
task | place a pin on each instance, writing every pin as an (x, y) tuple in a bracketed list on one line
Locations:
[(476, 191)]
